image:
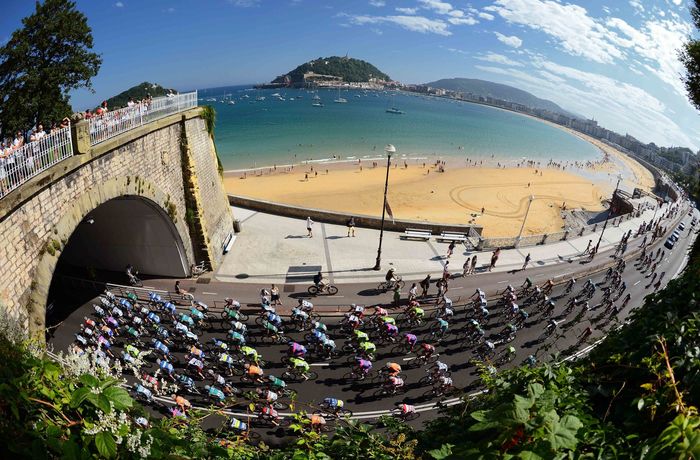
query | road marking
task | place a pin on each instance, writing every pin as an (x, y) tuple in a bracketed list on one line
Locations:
[(320, 364), (409, 359), (454, 289), (146, 287), (501, 282), (209, 293), (637, 283)]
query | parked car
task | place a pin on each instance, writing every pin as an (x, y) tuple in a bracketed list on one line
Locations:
[(670, 243)]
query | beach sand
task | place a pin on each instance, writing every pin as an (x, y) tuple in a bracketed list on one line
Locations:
[(455, 196)]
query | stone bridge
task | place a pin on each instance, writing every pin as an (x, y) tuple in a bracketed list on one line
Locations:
[(151, 197)]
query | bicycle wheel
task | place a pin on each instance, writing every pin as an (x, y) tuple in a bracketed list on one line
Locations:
[(332, 290), (313, 316), (313, 290), (411, 416), (401, 284), (311, 375), (277, 405), (383, 287)]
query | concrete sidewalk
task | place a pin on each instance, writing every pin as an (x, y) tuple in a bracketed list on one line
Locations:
[(273, 249)]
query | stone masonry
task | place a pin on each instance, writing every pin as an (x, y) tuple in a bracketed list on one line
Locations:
[(38, 218)]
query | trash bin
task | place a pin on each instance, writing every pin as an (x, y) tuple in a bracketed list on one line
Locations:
[(236, 225)]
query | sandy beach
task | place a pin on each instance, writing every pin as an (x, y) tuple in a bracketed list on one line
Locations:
[(417, 193)]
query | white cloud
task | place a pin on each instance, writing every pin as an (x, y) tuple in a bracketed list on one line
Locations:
[(487, 16), (463, 21), (499, 59), (617, 105), (407, 10), (512, 40), (637, 5), (377, 3), (578, 34), (413, 23), (437, 6), (245, 3), (119, 5)]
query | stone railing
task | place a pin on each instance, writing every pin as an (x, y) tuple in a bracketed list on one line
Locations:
[(118, 121)]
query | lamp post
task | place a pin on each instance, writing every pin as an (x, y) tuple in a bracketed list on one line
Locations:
[(605, 225), (527, 211), (390, 150)]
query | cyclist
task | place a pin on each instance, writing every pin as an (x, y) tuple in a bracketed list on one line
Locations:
[(478, 294), (548, 286), (394, 383), (392, 369), (363, 366), (237, 425), (226, 361), (317, 422), (328, 346), (443, 384), (143, 392), (274, 319), (552, 325), (276, 383), (305, 305), (196, 366), (527, 284), (153, 318), (296, 350), (416, 314), (182, 403), (141, 422), (105, 344), (411, 340), (239, 327), (220, 345), (186, 382), (332, 404), (180, 328), (438, 369), (150, 380), (270, 414), (250, 354), (132, 350), (442, 326), (319, 326), (299, 315), (487, 349), (406, 409), (232, 304), (367, 348), (391, 277), (254, 372), (270, 397), (426, 351), (185, 319), (215, 394), (391, 331), (508, 333), (352, 320), (196, 352), (379, 311), (509, 353), (359, 336), (300, 367)]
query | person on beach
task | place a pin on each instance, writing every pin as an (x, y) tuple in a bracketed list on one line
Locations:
[(309, 223), (425, 285), (450, 249), (527, 261), (351, 226)]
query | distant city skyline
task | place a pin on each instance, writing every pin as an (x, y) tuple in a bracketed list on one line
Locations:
[(613, 61)]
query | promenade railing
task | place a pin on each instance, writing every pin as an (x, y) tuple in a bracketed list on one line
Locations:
[(33, 158), (119, 121)]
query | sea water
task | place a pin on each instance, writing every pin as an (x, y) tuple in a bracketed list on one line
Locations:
[(254, 133)]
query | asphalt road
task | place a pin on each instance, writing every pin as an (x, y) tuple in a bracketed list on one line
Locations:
[(362, 397)]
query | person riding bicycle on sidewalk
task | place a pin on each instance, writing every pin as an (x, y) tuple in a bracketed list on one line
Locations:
[(391, 277), (320, 282)]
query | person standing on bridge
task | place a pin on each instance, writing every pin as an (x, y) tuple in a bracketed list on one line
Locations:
[(309, 224)]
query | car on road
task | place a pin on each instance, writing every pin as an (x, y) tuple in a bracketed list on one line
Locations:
[(670, 242), (682, 226)]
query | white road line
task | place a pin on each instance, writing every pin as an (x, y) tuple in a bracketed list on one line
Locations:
[(501, 282), (320, 364), (209, 293), (637, 283), (454, 289), (409, 359)]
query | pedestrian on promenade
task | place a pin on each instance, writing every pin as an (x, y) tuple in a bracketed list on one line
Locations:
[(442, 290), (527, 261), (413, 292), (397, 296), (494, 258), (446, 271), (309, 223), (472, 270), (351, 226), (275, 295), (450, 249), (425, 285), (588, 248), (465, 268)]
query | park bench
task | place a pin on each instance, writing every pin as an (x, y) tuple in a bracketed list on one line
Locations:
[(417, 234), (451, 236)]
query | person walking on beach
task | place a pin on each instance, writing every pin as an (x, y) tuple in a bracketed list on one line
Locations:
[(494, 258), (351, 226), (309, 223), (425, 285), (527, 261), (450, 249)]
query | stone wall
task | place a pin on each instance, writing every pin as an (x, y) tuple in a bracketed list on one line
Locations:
[(38, 218)]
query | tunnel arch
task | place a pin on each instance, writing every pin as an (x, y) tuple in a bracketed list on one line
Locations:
[(146, 226)]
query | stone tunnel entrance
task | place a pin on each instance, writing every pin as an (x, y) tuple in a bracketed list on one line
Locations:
[(126, 230)]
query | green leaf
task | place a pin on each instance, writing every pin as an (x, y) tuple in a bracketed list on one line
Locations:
[(563, 433), (529, 455), (443, 452), (105, 444), (71, 451), (79, 396), (89, 380), (119, 397), (103, 403)]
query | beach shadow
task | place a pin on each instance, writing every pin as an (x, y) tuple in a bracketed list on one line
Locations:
[(289, 237), (335, 237)]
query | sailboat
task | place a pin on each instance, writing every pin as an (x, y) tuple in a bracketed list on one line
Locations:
[(393, 109), (340, 100)]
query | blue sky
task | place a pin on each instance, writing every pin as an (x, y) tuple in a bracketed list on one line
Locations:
[(611, 60)]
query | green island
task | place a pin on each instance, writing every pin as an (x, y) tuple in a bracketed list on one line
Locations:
[(331, 69)]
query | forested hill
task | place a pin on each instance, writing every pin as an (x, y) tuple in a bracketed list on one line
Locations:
[(137, 92), (496, 90), (352, 70)]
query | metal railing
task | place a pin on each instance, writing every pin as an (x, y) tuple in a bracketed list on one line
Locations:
[(119, 121), (33, 158)]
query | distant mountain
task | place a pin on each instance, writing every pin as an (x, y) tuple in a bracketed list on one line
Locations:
[(349, 69), (137, 92), (498, 91)]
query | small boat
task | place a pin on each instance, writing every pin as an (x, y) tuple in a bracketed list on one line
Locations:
[(394, 110), (316, 97), (317, 104), (245, 96), (276, 95), (231, 102), (260, 98), (340, 100)]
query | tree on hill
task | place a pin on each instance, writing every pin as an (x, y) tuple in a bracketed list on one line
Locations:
[(351, 70), (41, 62), (138, 92)]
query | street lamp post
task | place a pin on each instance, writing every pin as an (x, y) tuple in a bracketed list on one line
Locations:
[(527, 211), (605, 225), (390, 150)]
